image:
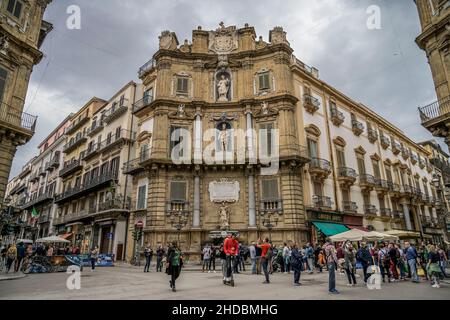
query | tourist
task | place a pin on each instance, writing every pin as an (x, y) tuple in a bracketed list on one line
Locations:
[(11, 255), (350, 263), (3, 250), (272, 252), (94, 257), (212, 260), (434, 271), (286, 258), (321, 260), (304, 258), (423, 259), (20, 256), (316, 255), (159, 258), (363, 256), (174, 264), (393, 255), (50, 252), (331, 259), (411, 259), (252, 250), (148, 254), (236, 260), (384, 262), (206, 258), (242, 257), (231, 249), (442, 260), (341, 257), (296, 264), (223, 259), (265, 258), (310, 258), (258, 251)]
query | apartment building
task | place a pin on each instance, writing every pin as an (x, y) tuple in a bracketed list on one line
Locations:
[(93, 202)]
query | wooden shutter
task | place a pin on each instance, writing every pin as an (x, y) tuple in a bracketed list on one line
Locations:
[(361, 165), (340, 158), (142, 194), (264, 81), (376, 169), (3, 76), (318, 189), (388, 173), (182, 84), (178, 191), (270, 189), (312, 148)]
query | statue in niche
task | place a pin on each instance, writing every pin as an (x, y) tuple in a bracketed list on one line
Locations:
[(224, 217), (223, 137), (223, 87)]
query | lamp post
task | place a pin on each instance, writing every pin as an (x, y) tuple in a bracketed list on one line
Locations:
[(178, 220), (270, 221)]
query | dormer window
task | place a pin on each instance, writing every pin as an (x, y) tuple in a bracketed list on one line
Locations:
[(15, 8)]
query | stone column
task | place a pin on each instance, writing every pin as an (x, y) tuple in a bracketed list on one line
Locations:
[(251, 201), (7, 152), (198, 139), (250, 138), (196, 217), (407, 217)]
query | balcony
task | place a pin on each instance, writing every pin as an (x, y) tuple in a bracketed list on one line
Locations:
[(310, 103), (414, 159), (372, 135), (395, 147), (394, 188), (42, 172), (94, 129), (99, 181), (70, 167), (132, 166), (52, 164), (114, 113), (75, 125), (370, 210), (25, 171), (357, 127), (16, 119), (406, 190), (43, 218), (346, 176), (367, 182), (385, 142), (34, 176), (18, 188), (405, 153), (381, 186), (47, 196), (141, 104), (177, 207), (422, 163), (349, 206), (147, 67), (73, 144), (337, 117), (435, 116), (398, 215), (319, 169), (116, 140), (91, 151), (386, 212), (271, 206), (114, 204), (322, 203)]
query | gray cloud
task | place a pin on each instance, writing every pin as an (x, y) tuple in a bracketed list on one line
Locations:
[(384, 69)]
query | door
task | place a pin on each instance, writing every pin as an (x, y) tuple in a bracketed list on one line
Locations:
[(105, 241), (119, 252)]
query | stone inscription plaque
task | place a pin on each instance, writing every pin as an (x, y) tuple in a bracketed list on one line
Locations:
[(224, 191)]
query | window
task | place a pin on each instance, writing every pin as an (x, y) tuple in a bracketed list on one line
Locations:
[(340, 155), (366, 199), (122, 100), (74, 207), (104, 168), (78, 181), (114, 106), (382, 202), (82, 204), (182, 85), (118, 132), (388, 173), (312, 148), (266, 138), (94, 173), (142, 197), (175, 138), (318, 189), (115, 166), (263, 80), (15, 8), (345, 195), (144, 152), (178, 191), (270, 189), (148, 95), (425, 188), (361, 165), (376, 169)]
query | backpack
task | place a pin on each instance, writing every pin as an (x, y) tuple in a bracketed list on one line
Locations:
[(268, 253)]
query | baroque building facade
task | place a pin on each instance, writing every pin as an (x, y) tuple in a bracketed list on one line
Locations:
[(22, 31)]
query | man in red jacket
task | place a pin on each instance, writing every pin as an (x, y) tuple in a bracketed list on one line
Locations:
[(230, 247)]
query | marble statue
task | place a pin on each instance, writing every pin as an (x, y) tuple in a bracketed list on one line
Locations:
[(224, 217), (223, 137), (223, 86)]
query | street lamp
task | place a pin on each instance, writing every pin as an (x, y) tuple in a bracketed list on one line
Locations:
[(178, 220), (270, 221)]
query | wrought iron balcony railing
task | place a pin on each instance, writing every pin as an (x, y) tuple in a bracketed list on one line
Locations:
[(346, 172), (357, 127), (372, 135), (349, 206), (435, 110), (337, 117), (147, 67), (77, 141), (322, 202), (311, 103), (385, 142), (77, 124), (16, 118), (370, 209), (145, 101), (70, 166), (114, 112)]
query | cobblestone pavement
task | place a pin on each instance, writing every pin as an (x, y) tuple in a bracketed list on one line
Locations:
[(125, 282)]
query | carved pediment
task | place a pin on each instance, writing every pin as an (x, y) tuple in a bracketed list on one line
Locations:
[(375, 157), (265, 111), (144, 135), (339, 141), (224, 40), (313, 130), (360, 150), (181, 113)]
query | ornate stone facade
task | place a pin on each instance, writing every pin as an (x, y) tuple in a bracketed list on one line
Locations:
[(22, 32)]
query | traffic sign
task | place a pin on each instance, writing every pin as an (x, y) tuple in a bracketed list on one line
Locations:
[(139, 224)]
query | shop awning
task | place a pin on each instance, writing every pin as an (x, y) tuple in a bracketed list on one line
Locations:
[(330, 229), (66, 235)]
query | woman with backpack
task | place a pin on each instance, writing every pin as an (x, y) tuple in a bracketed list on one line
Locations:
[(350, 263), (174, 264)]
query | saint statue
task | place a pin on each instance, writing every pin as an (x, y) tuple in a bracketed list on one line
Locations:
[(223, 137), (223, 85), (223, 216)]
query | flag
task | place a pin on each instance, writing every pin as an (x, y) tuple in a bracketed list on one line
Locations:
[(34, 213)]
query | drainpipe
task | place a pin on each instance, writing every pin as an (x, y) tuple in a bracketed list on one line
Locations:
[(126, 181)]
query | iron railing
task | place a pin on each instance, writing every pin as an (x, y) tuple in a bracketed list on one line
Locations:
[(370, 209), (147, 67), (347, 172), (317, 163), (322, 201), (435, 109), (349, 206), (17, 118), (145, 101), (309, 99), (70, 166), (77, 123)]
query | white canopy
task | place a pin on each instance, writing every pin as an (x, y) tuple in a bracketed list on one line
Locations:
[(53, 239), (25, 241), (360, 235)]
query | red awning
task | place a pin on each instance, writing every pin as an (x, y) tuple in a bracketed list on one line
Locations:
[(359, 228), (67, 235)]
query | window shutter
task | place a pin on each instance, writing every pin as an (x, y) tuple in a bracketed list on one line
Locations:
[(142, 193), (361, 166), (182, 84), (18, 9), (264, 81), (178, 191), (270, 189), (312, 148), (3, 76)]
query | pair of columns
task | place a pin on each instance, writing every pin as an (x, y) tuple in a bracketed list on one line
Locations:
[(198, 160)]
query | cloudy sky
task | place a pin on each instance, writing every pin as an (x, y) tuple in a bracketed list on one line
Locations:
[(384, 69)]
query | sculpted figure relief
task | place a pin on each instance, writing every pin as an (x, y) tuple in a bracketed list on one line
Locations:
[(223, 86), (223, 216)]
